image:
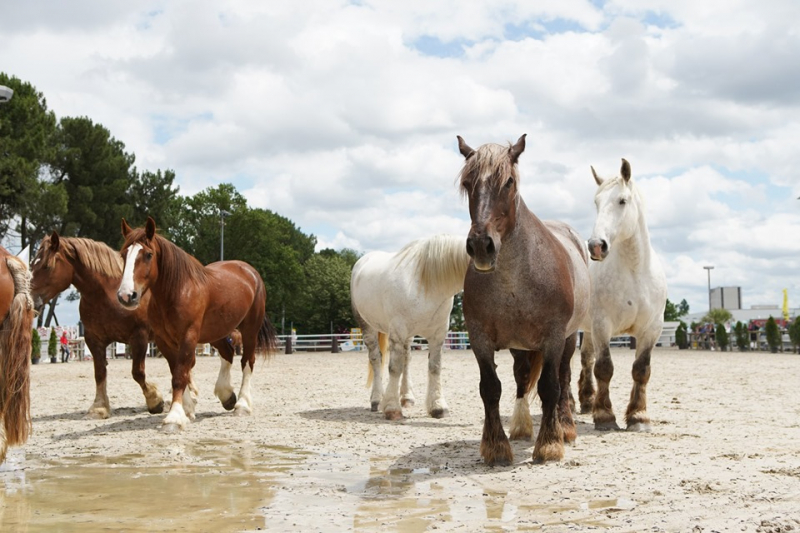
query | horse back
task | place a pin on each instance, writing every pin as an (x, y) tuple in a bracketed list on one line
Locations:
[(578, 266)]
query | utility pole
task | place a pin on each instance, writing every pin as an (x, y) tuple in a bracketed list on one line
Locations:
[(709, 269)]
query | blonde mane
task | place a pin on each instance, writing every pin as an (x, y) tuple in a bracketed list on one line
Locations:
[(439, 261), (94, 255), (491, 160)]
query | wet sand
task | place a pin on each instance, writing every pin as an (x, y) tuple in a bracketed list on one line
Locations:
[(724, 454)]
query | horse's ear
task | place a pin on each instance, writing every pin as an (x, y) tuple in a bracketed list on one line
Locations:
[(625, 171), (515, 151), (465, 150), (150, 228), (54, 241), (125, 228), (597, 178)]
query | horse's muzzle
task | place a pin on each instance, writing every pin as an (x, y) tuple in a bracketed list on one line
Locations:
[(131, 301), (483, 252), (598, 249)]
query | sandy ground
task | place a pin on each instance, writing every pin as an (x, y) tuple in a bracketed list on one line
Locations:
[(724, 454)]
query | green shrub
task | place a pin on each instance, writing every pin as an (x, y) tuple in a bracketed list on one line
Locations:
[(773, 334), (681, 338), (742, 336), (52, 343), (36, 346), (722, 337), (794, 333)]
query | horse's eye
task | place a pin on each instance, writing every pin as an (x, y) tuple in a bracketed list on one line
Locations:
[(148, 256), (509, 183), (623, 201)]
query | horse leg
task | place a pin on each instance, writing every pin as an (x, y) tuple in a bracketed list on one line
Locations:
[(370, 337), (406, 386), (585, 381), (568, 428), (180, 364), (437, 405), (602, 412), (398, 351), (223, 388), (521, 427), (153, 399), (636, 415), (549, 442), (495, 447), (100, 408), (244, 405)]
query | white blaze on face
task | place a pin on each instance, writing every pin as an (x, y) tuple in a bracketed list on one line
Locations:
[(126, 287)]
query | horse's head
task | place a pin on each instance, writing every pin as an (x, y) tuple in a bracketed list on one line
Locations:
[(490, 181), (140, 270), (618, 211), (51, 271)]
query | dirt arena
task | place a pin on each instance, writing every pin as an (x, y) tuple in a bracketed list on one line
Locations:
[(724, 454)]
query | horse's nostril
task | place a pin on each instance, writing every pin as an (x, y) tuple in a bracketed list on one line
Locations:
[(490, 246), (133, 296), (470, 249), (604, 246)]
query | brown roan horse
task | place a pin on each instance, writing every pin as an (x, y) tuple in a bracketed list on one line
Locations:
[(96, 271), (527, 290), (16, 317), (191, 303)]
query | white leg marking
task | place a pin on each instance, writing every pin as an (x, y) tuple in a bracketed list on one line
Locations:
[(223, 389), (244, 405)]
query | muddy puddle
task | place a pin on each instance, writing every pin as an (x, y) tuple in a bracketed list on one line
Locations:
[(220, 486)]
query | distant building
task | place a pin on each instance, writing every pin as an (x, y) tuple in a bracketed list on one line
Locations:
[(729, 298)]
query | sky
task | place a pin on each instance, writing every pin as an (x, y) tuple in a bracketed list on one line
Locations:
[(343, 116)]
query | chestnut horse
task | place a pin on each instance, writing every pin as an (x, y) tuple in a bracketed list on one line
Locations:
[(16, 314), (96, 270), (527, 290), (629, 293), (191, 303)]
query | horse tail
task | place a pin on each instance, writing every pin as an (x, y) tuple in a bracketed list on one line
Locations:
[(267, 342), (536, 371), (383, 345), (15, 359)]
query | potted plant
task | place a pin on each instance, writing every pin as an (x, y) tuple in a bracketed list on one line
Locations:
[(681, 337), (773, 334), (722, 337), (794, 333), (36, 347), (741, 334), (52, 345)]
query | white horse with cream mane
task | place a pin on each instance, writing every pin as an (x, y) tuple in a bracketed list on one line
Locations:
[(400, 295), (629, 293)]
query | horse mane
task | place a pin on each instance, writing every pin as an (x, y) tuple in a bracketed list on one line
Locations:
[(176, 267), (440, 260), (491, 160), (96, 256)]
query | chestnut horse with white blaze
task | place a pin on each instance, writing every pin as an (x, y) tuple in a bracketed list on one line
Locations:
[(16, 324), (96, 271), (629, 293), (527, 290), (398, 295), (190, 304)]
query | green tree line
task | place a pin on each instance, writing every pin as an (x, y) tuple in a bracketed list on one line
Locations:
[(71, 175)]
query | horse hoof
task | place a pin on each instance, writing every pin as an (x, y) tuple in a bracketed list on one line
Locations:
[(230, 403), (374, 407), (610, 425), (97, 414), (158, 409), (440, 413), (640, 427), (407, 402), (170, 428), (393, 415), (242, 411)]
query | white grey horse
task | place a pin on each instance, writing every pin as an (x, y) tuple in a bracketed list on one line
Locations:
[(629, 292), (401, 295)]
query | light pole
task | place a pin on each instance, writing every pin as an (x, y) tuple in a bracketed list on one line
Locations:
[(709, 269), (222, 215)]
